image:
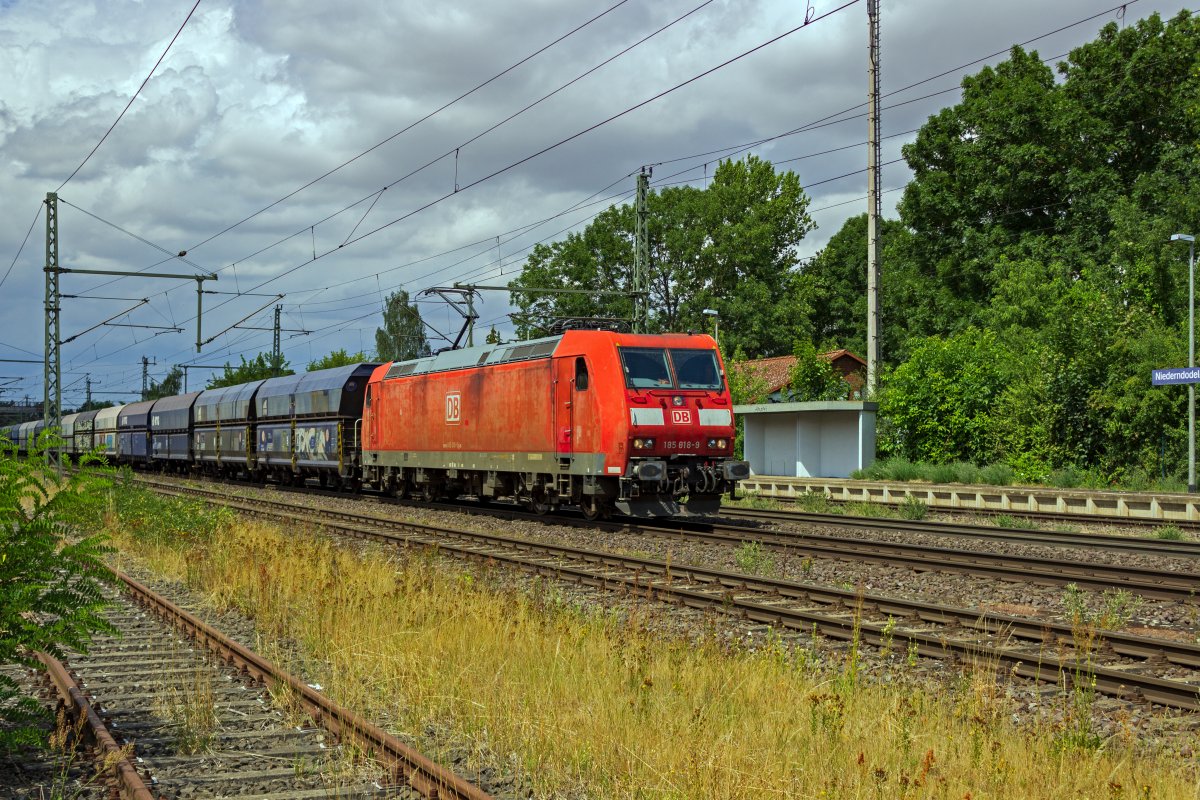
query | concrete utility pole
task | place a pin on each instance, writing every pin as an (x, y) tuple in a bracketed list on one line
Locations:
[(641, 252), (873, 201), (88, 403)]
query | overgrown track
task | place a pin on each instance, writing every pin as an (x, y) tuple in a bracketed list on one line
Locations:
[(1137, 668), (147, 687)]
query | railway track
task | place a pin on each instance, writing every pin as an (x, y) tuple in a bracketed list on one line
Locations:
[(1138, 668), (137, 697), (1178, 586), (1139, 545)]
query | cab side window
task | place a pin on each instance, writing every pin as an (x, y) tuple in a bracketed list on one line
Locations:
[(581, 375)]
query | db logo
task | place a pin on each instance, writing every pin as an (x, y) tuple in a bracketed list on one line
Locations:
[(453, 408), (681, 416)]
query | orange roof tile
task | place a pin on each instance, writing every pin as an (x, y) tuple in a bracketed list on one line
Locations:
[(775, 371)]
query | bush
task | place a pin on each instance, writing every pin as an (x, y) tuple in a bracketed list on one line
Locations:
[(996, 475), (944, 473), (50, 584), (913, 509)]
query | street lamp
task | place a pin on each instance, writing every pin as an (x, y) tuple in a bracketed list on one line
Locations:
[(716, 315), (1191, 240)]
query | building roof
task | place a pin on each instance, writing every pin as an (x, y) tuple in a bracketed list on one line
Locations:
[(775, 371)]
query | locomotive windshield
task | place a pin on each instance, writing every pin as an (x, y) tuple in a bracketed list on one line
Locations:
[(650, 368), (646, 368), (696, 369)]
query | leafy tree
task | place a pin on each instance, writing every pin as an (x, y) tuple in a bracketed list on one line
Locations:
[(50, 585), (263, 365), (813, 377), (403, 333), (1034, 236), (937, 403), (170, 385), (493, 336), (338, 358), (834, 284), (730, 247)]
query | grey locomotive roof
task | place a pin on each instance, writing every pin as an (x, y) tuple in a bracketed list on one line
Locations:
[(476, 356)]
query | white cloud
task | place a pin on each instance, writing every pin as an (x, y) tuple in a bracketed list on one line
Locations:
[(256, 99)]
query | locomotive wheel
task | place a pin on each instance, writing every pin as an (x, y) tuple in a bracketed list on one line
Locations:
[(539, 505), (594, 508)]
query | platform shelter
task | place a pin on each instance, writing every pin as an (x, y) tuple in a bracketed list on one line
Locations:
[(826, 439)]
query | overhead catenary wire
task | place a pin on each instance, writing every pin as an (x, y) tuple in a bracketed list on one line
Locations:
[(131, 99), (766, 139), (892, 93), (412, 125), (554, 146)]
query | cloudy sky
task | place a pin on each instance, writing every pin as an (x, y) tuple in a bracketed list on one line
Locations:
[(264, 141)]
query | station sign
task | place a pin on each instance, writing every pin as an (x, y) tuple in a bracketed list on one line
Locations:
[(1166, 377)]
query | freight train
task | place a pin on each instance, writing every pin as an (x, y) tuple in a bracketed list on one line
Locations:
[(608, 422)]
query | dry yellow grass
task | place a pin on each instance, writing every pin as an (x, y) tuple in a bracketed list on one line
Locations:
[(587, 701)]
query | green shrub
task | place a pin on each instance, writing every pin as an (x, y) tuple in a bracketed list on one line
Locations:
[(814, 502), (996, 475), (943, 473), (50, 580), (1169, 532), (1066, 478), (912, 508), (754, 559), (1020, 523)]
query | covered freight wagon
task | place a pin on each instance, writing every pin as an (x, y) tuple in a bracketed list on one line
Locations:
[(310, 424), (223, 433), (133, 433), (170, 431), (104, 432)]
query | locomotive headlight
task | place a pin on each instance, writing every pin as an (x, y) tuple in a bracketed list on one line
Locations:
[(718, 444), (643, 444)]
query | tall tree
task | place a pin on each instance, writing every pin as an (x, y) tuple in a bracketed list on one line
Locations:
[(729, 247), (403, 333), (834, 286), (263, 365), (338, 358), (170, 385)]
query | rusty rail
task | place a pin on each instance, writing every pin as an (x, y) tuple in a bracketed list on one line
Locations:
[(404, 765), (128, 783)]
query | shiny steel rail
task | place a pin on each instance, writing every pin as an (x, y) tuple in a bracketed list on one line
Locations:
[(1130, 544)]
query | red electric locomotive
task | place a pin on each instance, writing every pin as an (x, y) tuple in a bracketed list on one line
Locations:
[(601, 420)]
